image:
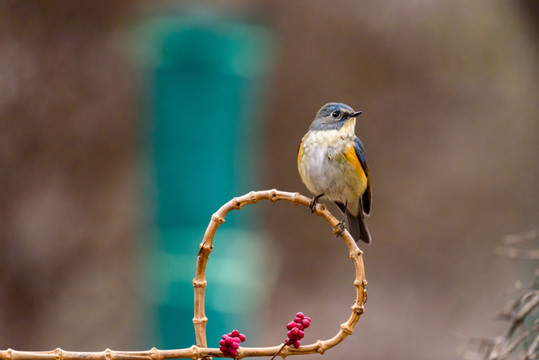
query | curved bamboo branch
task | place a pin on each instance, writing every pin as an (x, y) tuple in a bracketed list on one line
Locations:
[(199, 283), (206, 247)]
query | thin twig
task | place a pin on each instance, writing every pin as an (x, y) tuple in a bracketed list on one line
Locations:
[(278, 352), (509, 347), (532, 350), (518, 310)]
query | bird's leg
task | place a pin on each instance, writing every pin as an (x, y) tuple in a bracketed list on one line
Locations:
[(341, 225), (314, 201)]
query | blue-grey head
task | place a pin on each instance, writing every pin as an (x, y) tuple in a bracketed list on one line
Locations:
[(333, 116)]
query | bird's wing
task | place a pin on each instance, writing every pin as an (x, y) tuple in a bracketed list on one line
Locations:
[(366, 198)]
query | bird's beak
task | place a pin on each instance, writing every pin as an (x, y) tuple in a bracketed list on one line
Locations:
[(353, 115)]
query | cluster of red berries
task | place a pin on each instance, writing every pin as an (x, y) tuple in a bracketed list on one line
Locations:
[(230, 343), (296, 329)]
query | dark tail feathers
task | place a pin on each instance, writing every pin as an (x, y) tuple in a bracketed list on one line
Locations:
[(358, 227)]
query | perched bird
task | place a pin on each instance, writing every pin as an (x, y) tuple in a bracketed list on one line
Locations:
[(332, 164)]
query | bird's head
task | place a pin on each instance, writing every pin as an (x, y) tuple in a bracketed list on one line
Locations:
[(333, 116)]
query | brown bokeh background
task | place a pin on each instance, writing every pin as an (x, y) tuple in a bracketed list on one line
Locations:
[(449, 92)]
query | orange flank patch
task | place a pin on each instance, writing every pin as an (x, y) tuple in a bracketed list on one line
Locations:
[(300, 150), (351, 157)]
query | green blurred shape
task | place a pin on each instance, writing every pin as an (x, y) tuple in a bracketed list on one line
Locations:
[(205, 77)]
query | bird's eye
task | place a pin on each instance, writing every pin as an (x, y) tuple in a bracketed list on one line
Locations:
[(336, 114)]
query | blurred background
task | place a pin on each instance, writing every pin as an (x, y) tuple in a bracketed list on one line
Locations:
[(124, 125)]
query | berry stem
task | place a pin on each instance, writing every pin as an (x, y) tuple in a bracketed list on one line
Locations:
[(278, 352)]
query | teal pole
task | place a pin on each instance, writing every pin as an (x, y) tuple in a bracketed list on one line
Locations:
[(204, 82)]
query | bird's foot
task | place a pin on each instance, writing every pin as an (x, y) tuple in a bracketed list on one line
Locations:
[(314, 201), (339, 228)]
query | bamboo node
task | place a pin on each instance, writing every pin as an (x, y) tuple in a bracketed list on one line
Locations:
[(59, 353), (358, 309), (273, 195), (319, 209), (205, 249), (284, 352), (156, 355), (346, 329), (365, 282), (199, 283), (356, 252), (321, 347), (108, 354), (9, 353), (200, 320), (237, 203), (252, 197), (217, 218), (296, 199), (194, 349), (358, 283)]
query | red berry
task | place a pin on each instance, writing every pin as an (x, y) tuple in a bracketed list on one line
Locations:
[(296, 329), (230, 343)]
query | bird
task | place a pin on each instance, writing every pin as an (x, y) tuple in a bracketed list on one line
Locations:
[(332, 164)]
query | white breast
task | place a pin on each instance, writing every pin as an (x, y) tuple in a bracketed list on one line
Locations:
[(323, 168)]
